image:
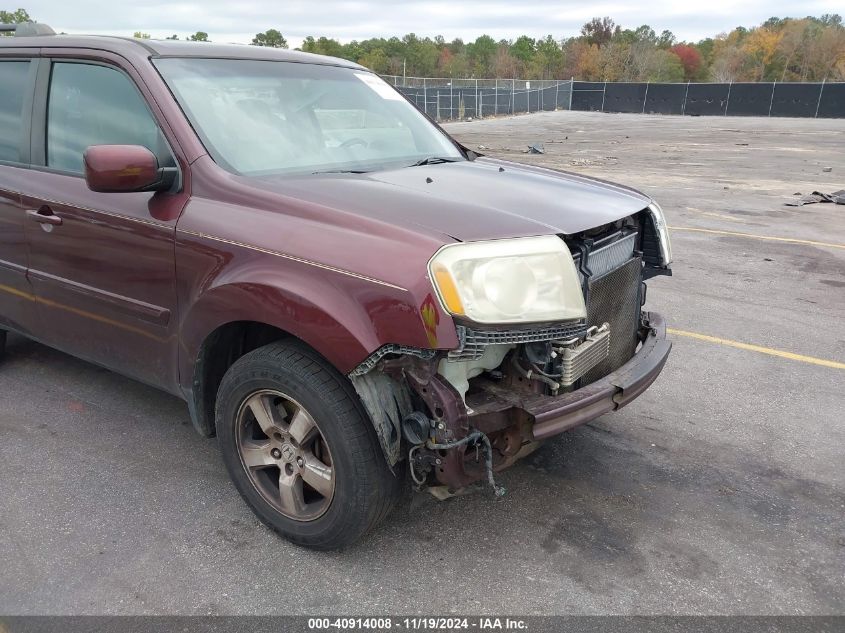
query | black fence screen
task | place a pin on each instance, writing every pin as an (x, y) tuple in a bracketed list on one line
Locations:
[(445, 99), (625, 97), (832, 103), (750, 99), (706, 99), (666, 98)]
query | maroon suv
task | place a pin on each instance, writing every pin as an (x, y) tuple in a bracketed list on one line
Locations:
[(342, 293)]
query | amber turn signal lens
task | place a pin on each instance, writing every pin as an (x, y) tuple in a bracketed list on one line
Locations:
[(448, 291)]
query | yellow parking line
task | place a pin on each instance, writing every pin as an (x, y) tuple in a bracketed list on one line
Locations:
[(721, 216), (758, 348), (757, 237)]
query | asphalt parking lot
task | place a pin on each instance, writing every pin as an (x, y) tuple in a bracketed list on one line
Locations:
[(720, 491)]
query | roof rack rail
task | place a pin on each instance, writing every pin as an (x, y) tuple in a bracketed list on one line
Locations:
[(27, 29)]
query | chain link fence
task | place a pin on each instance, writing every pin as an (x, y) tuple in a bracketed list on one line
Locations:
[(445, 98)]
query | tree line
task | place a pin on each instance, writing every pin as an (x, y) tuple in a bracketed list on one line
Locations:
[(779, 49)]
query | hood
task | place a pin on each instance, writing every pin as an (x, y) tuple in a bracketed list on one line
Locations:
[(469, 200)]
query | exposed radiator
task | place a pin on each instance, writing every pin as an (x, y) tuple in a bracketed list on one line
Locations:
[(606, 258), (614, 298), (606, 255)]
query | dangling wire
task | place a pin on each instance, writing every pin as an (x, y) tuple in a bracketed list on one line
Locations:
[(534, 374), (419, 482), (473, 437)]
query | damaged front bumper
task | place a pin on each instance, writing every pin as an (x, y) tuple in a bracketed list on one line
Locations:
[(553, 415), (511, 417), (516, 421)]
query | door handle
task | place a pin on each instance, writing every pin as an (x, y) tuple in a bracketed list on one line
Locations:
[(44, 215)]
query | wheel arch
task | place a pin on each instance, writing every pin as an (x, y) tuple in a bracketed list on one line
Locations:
[(232, 320)]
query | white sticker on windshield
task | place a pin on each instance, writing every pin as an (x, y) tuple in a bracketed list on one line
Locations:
[(381, 87)]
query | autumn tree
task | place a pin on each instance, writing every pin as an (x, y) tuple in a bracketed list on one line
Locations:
[(662, 67), (614, 61), (582, 60), (642, 64), (761, 46), (598, 31), (690, 60), (729, 59), (505, 65), (779, 49), (825, 58), (453, 61), (444, 61)]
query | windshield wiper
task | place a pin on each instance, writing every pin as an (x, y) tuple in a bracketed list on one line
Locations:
[(341, 171), (434, 160)]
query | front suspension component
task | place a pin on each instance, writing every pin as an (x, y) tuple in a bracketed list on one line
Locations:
[(474, 436)]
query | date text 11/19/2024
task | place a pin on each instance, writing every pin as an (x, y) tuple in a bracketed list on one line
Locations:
[(418, 624)]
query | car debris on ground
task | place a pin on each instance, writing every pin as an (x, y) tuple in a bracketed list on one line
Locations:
[(837, 197)]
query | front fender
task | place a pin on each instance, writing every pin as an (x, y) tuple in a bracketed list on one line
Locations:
[(332, 322), (343, 317)]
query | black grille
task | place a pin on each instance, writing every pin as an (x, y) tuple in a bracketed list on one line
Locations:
[(614, 298), (475, 342)]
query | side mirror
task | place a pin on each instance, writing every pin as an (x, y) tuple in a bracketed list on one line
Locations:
[(124, 168)]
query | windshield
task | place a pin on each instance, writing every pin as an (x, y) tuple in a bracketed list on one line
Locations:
[(267, 117)]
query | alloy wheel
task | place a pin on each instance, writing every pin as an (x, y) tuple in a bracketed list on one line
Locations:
[(285, 455)]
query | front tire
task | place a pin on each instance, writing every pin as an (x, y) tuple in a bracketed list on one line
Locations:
[(300, 449)]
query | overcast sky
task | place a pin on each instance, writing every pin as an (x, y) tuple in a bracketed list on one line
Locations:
[(345, 20)]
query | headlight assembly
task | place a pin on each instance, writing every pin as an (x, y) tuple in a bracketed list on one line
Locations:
[(524, 280), (662, 232)]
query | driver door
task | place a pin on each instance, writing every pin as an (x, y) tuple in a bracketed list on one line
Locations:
[(17, 79), (101, 264)]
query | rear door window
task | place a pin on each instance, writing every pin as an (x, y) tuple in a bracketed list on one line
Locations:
[(14, 83), (96, 105)]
